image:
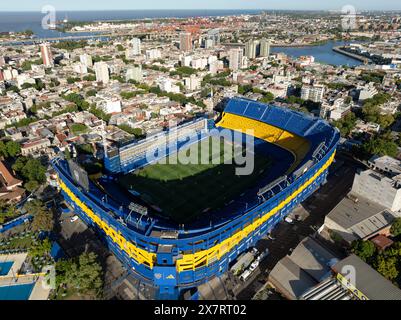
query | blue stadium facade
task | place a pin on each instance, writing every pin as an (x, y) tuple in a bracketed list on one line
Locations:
[(174, 258)]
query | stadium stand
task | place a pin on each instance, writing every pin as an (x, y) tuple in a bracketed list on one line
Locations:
[(175, 258)]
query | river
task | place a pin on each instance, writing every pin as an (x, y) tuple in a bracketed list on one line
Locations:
[(323, 53)]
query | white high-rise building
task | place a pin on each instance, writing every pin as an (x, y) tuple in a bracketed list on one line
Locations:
[(134, 73), (235, 57), (153, 54), (166, 84), (136, 46), (80, 68), (102, 72), (192, 83), (264, 48), (209, 43), (199, 63), (214, 67), (86, 60), (250, 49), (313, 93), (186, 61)]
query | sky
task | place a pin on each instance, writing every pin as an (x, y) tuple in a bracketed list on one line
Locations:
[(36, 5)]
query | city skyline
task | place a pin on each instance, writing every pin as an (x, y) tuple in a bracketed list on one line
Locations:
[(101, 5)]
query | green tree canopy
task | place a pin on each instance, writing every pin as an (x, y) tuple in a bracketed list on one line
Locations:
[(85, 275), (363, 249), (396, 227), (43, 219), (30, 169), (387, 267)]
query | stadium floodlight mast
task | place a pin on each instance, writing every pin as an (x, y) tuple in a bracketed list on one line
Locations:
[(134, 207), (318, 151), (271, 185)]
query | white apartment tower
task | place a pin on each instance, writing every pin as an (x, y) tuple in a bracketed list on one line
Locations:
[(136, 46), (86, 60), (102, 72), (264, 48), (250, 49), (235, 57)]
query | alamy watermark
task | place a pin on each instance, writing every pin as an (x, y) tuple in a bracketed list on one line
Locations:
[(50, 19), (348, 20)]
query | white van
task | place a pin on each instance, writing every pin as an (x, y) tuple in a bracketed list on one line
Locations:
[(254, 265)]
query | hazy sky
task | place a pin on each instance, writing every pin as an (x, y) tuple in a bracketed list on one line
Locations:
[(36, 5)]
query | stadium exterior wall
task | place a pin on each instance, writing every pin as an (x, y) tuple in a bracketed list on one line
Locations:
[(176, 264)]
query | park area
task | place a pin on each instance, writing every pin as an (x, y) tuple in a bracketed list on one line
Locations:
[(185, 191)]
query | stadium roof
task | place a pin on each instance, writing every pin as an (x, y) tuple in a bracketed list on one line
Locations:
[(368, 280)]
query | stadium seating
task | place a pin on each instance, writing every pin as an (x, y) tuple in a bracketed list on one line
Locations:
[(298, 146)]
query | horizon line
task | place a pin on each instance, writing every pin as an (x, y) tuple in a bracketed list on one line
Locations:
[(205, 9)]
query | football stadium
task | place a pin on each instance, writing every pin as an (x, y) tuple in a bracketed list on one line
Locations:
[(175, 225)]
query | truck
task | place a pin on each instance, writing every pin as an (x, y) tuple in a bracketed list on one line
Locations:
[(245, 275), (242, 263)]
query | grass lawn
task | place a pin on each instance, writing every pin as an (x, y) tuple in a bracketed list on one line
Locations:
[(183, 191)]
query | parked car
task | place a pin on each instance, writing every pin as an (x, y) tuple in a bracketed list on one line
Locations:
[(253, 266), (289, 220), (74, 218), (254, 251)]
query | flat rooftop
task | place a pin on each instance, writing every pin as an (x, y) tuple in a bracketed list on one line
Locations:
[(363, 217)]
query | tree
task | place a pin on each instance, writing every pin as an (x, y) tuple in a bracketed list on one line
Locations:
[(9, 149), (396, 227), (346, 124), (42, 217), (31, 186), (86, 275), (41, 248), (43, 221), (13, 148), (30, 169), (91, 93), (363, 249), (79, 128), (381, 146), (387, 267)]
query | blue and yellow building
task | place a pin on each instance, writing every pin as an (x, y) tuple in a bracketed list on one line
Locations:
[(175, 258)]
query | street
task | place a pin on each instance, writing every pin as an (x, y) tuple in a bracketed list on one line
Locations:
[(288, 236)]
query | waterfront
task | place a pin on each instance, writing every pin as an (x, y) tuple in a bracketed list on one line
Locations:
[(323, 53), (21, 21)]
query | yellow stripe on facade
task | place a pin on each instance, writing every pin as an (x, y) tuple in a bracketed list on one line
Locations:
[(205, 257), (139, 255), (195, 260)]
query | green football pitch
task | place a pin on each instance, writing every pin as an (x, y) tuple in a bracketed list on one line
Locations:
[(184, 191)]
